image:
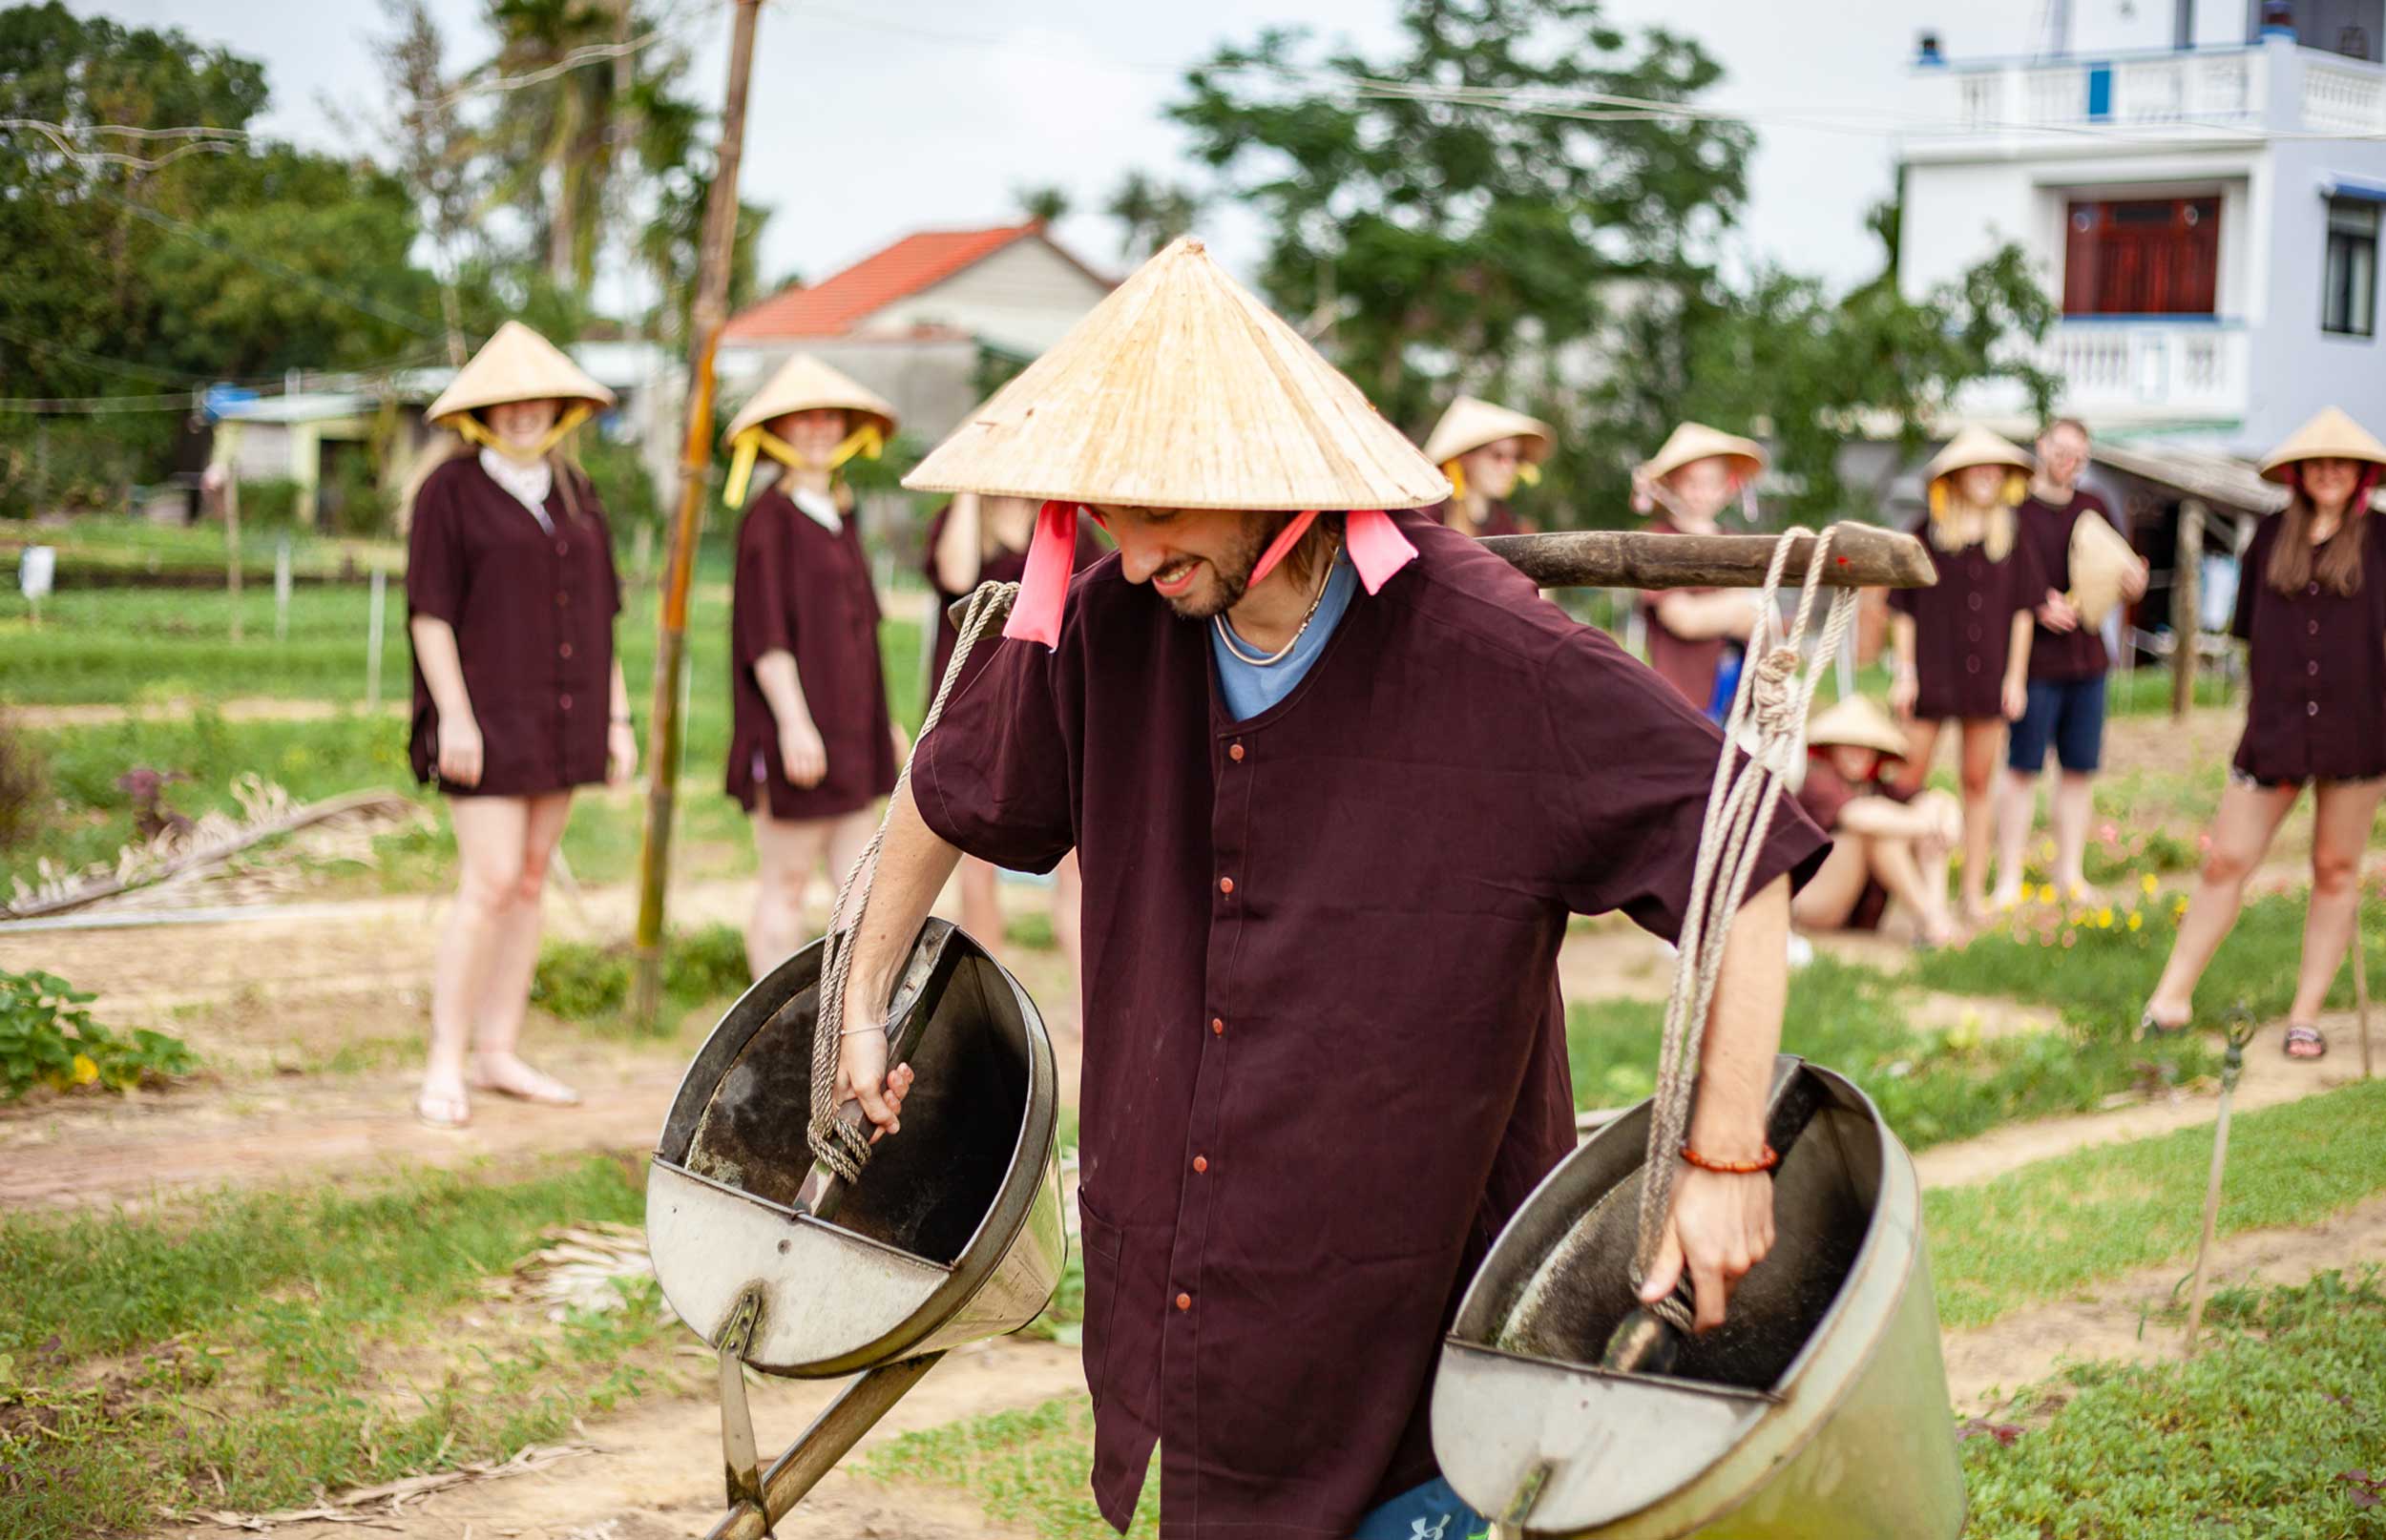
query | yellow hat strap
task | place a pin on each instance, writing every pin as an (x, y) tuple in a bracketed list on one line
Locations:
[(472, 430), (1457, 472), (1528, 473), (866, 441)]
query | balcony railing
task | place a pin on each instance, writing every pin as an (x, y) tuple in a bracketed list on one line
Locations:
[(2232, 92), (2148, 367)]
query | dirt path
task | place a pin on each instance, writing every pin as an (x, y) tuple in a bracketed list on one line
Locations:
[(2115, 1324), (656, 1474), (243, 709)]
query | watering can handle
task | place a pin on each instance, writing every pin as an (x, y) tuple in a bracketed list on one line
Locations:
[(933, 957)]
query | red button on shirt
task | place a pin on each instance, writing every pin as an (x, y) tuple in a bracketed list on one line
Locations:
[(1200, 1162), (565, 701), (1234, 752), (1184, 1301), (1225, 884), (563, 548), (1217, 1027), (564, 650)]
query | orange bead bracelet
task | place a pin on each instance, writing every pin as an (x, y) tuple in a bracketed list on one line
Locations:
[(1733, 1167)]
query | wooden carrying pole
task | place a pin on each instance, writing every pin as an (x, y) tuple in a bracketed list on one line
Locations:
[(711, 314)]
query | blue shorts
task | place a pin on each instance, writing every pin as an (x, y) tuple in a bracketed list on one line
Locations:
[(1431, 1511), (2069, 713)]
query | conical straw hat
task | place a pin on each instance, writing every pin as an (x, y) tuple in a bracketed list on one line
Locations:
[(2100, 560), (1182, 391), (1857, 721), (2332, 435), (804, 384), (1470, 424), (1975, 446), (1696, 440), (515, 365)]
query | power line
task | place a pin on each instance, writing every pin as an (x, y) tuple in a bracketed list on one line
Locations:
[(119, 367), (61, 139)]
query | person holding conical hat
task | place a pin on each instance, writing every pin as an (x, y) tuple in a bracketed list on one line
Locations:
[(1486, 450), (1886, 842), (1688, 484), (1325, 1051), (973, 540), (2088, 567), (518, 699), (1962, 647), (812, 747), (2312, 609)]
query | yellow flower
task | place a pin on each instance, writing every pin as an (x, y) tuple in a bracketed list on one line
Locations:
[(2179, 908), (2147, 882), (2046, 894), (2136, 921), (2046, 851), (84, 1071), (2104, 917)]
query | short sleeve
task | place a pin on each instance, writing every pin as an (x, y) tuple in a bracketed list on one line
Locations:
[(435, 565), (2030, 583), (604, 544), (1628, 824), (758, 596), (991, 778), (2250, 579)]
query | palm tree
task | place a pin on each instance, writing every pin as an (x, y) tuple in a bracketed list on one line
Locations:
[(1151, 213), (559, 135)]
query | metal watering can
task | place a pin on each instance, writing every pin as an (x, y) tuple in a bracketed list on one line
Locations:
[(951, 1233), (1819, 1411)]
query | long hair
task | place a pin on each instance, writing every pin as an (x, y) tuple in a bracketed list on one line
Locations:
[(1308, 554), (2336, 566), (1997, 523), (570, 478)]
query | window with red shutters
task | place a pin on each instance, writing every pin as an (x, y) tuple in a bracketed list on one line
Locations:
[(2141, 257)]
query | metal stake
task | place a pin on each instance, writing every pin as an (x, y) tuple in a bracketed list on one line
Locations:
[(2231, 1065)]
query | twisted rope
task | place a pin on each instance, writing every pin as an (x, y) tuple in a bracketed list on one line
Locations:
[(844, 1147), (1772, 699)]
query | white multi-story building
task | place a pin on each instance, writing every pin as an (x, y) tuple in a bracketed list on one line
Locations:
[(2200, 184)]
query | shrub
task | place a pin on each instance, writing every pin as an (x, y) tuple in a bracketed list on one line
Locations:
[(46, 1038), (268, 503), (578, 981), (23, 782)]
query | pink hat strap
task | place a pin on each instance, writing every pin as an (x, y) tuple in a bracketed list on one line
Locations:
[(1377, 547), (1044, 588)]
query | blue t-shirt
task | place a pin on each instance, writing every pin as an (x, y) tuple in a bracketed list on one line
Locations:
[(1250, 689)]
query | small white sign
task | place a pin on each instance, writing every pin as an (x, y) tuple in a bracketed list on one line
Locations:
[(36, 571)]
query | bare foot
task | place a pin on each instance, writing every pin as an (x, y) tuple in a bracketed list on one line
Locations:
[(506, 1074), (442, 1102)]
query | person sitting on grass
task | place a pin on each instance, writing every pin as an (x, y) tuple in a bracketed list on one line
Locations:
[(2312, 607), (1886, 843)]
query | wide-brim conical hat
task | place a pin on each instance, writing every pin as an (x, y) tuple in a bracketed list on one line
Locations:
[(1975, 446), (1470, 424), (1182, 391), (515, 365), (2101, 561), (2332, 435), (804, 384), (1858, 722), (1696, 440)]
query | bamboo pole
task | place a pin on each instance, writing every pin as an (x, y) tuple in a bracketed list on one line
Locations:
[(232, 536), (2240, 1032), (2186, 577), (711, 314), (2360, 988)]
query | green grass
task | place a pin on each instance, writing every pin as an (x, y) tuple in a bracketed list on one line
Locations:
[(579, 981), (2057, 1226), (237, 1352), (2263, 1434), (1030, 1467), (2099, 972), (1932, 1086), (130, 549)]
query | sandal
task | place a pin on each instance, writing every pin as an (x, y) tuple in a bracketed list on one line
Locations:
[(444, 1110), (2151, 1030), (2302, 1035)]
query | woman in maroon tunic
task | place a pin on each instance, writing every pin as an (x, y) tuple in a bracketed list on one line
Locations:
[(1884, 844), (1962, 648), (1691, 480), (1325, 1051), (975, 540), (810, 746), (511, 596), (2311, 606), (1485, 451)]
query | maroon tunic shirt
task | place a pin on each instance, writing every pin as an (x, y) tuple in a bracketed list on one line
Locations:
[(2077, 654), (1823, 796), (1004, 566), (2317, 701), (1963, 627), (803, 591), (532, 614), (1325, 1053), (1498, 518), (1687, 663)]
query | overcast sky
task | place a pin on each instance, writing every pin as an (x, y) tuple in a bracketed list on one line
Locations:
[(868, 121)]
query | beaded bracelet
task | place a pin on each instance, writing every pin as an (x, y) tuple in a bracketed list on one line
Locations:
[(1733, 1167)]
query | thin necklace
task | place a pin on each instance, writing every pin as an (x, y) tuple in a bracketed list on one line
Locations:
[(1226, 633)]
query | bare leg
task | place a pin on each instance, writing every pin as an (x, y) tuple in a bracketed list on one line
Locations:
[(2016, 809), (1977, 772), (1921, 742), (1896, 865), (2242, 830), (489, 840), (1830, 896), (2075, 807), (506, 994), (848, 836), (1068, 909), (981, 906), (2342, 814), (788, 851)]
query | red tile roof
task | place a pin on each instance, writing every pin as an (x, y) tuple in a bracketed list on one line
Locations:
[(838, 303)]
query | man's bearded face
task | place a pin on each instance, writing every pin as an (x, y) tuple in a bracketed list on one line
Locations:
[(1199, 560)]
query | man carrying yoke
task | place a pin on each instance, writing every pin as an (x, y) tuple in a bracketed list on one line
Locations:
[(1336, 784)]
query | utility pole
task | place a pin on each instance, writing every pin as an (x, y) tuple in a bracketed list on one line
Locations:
[(712, 313)]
